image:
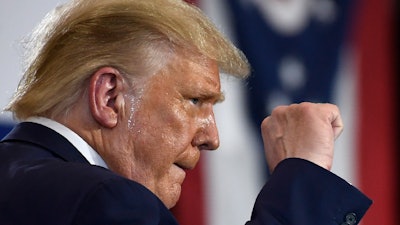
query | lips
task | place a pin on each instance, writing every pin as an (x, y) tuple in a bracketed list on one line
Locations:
[(180, 173), (189, 161), (184, 167)]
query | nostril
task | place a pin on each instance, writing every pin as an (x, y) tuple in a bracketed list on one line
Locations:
[(210, 145), (203, 147), (207, 147)]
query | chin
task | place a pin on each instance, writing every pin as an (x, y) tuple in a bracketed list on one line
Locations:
[(171, 200), (170, 203)]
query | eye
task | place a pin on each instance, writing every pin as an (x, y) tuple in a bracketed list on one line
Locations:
[(195, 101)]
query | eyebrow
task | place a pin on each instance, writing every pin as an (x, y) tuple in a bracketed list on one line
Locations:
[(215, 97), (220, 98)]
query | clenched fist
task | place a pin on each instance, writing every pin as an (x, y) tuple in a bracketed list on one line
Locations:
[(305, 130)]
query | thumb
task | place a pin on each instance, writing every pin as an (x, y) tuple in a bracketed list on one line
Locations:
[(337, 123)]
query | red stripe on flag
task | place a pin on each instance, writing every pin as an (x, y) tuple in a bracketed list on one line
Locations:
[(190, 209), (376, 111)]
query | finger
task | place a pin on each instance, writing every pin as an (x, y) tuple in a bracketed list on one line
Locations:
[(336, 122)]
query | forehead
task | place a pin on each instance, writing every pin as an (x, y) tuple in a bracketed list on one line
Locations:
[(195, 74)]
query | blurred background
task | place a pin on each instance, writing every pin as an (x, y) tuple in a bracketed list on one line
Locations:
[(300, 50)]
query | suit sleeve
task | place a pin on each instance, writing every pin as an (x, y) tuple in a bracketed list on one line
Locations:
[(118, 201), (302, 193)]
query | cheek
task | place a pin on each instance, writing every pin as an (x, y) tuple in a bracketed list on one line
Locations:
[(175, 124), (165, 130)]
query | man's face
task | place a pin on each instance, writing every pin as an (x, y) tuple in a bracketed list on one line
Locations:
[(171, 122)]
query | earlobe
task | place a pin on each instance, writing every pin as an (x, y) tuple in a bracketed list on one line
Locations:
[(105, 96)]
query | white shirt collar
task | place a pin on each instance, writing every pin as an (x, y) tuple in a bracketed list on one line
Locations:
[(83, 147)]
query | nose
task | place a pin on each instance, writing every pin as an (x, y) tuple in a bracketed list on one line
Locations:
[(207, 137)]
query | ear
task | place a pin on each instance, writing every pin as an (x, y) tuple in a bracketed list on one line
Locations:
[(106, 97)]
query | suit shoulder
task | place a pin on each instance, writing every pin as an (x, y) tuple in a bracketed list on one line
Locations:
[(75, 192)]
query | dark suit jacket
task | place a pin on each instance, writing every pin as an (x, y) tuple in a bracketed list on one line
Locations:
[(45, 180)]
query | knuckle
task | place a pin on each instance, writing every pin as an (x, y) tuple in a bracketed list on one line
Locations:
[(306, 108), (279, 110), (265, 122)]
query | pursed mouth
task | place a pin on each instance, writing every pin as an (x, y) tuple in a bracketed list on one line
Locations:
[(181, 166), (180, 172), (185, 167)]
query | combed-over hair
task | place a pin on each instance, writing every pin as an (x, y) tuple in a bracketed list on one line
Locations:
[(135, 36)]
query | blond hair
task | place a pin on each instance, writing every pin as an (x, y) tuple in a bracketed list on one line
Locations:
[(133, 36)]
